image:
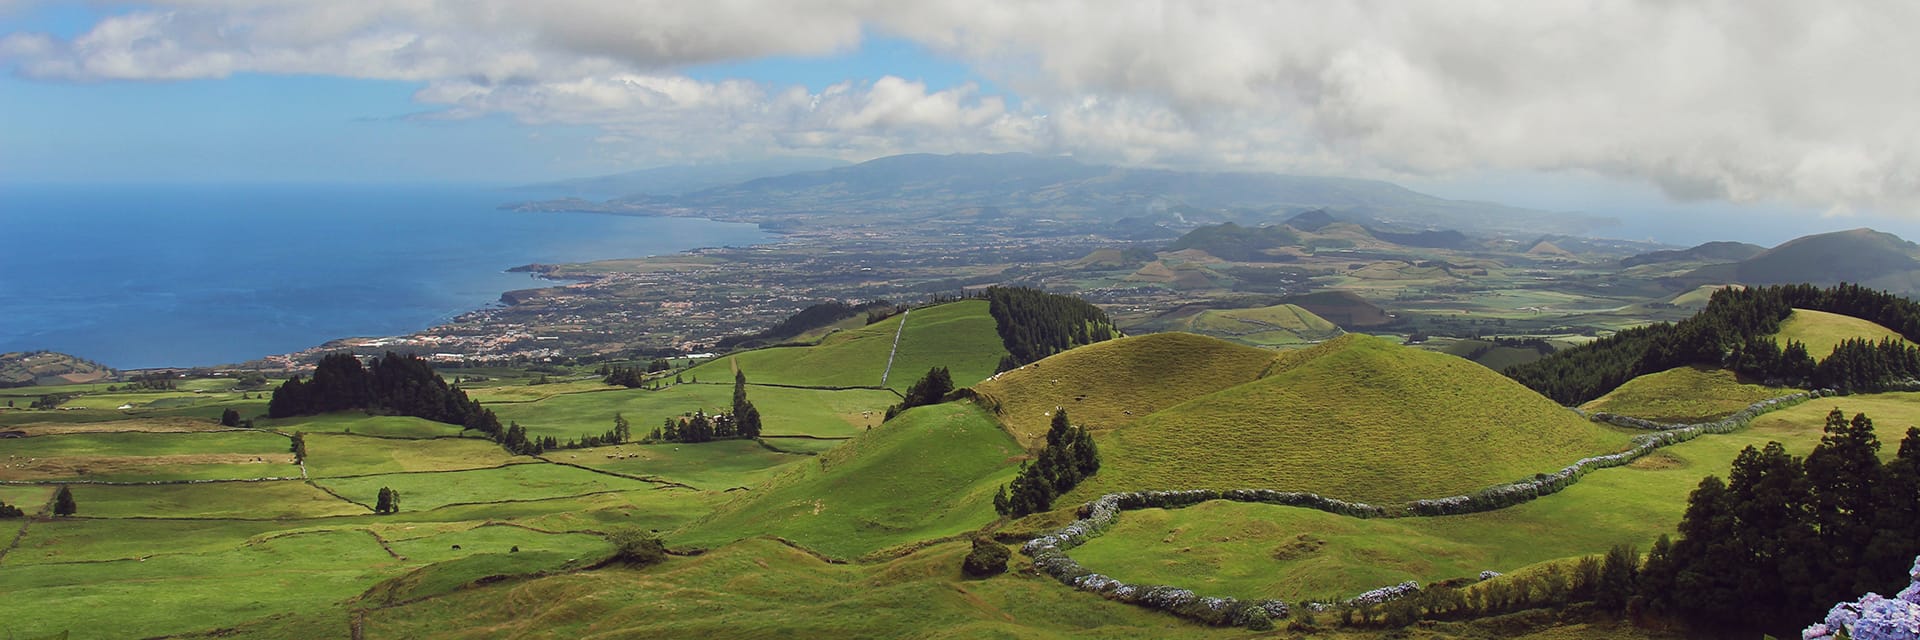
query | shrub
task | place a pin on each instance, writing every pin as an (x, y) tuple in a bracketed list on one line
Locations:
[(636, 547), (987, 559)]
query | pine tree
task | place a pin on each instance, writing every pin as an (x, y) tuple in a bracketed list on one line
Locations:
[(622, 431), (384, 503), (230, 418), (299, 447), (63, 504), (1843, 473), (1057, 432)]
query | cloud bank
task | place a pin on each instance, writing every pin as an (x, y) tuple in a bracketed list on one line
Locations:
[(1741, 100)]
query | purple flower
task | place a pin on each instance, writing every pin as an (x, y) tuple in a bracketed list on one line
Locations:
[(1816, 632)]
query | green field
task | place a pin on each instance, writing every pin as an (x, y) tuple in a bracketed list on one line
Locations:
[(1684, 394), (1358, 418), (785, 411), (1111, 384), (339, 454), (360, 423), (959, 336), (1237, 549), (1822, 331), (142, 457), (930, 472), (715, 466), (427, 491), (1273, 326), (282, 500)]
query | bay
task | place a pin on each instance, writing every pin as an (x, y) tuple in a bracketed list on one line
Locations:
[(149, 276)]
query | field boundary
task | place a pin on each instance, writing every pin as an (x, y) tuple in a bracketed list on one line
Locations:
[(656, 480), (1049, 550), (403, 473), (141, 483)]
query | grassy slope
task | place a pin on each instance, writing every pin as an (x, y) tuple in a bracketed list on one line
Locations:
[(928, 473), (1114, 383), (1683, 394), (356, 422), (282, 499), (1284, 324), (1230, 548), (1358, 418), (1822, 331), (959, 336), (784, 411), (331, 454), (715, 466), (424, 491)]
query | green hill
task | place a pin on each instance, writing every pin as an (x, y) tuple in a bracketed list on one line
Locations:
[(1277, 325), (1872, 258), (25, 369), (1357, 418), (1683, 394), (929, 472), (959, 336), (1344, 308), (1822, 331), (1111, 384)]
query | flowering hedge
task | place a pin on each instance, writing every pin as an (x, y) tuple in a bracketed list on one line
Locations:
[(1874, 617), (1049, 551)]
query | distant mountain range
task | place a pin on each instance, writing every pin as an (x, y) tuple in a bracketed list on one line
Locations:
[(1016, 187), (1861, 256)]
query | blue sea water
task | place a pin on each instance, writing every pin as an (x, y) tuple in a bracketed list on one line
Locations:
[(147, 276)]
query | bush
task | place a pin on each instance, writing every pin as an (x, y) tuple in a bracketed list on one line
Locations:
[(987, 559), (636, 547)]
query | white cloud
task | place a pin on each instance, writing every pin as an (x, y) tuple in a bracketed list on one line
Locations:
[(1735, 99)]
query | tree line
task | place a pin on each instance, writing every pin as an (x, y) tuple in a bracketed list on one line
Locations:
[(1034, 324), (1734, 331), (1068, 457), (929, 389), (402, 385)]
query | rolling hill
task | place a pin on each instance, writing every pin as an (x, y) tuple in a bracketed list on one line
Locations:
[(929, 472), (1861, 256), (1708, 252), (26, 369), (1683, 394), (1357, 418), (958, 335), (1111, 384), (1269, 326), (1822, 331), (1344, 308)]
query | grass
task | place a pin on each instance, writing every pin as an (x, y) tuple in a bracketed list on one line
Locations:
[(520, 391), (284, 499), (96, 540), (761, 589), (1278, 325), (1683, 394), (356, 422), (337, 454), (145, 444), (1822, 331), (425, 491), (930, 472), (1112, 384), (959, 336), (785, 411), (141, 457), (1359, 418), (717, 466), (1223, 548)]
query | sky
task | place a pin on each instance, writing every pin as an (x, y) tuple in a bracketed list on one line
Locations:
[(1779, 114)]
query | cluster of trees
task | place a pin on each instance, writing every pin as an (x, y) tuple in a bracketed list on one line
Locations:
[(387, 502), (63, 504), (10, 511), (987, 559), (395, 385), (743, 422), (49, 401), (632, 377), (1068, 458), (1784, 537), (1034, 324), (155, 381), (231, 418), (298, 447), (1733, 331), (515, 440), (929, 389)]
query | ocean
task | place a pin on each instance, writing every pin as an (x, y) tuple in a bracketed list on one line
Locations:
[(151, 276)]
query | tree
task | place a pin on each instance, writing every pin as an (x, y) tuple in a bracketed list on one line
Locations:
[(929, 389), (622, 431), (987, 559), (384, 503), (636, 547), (1617, 574), (298, 447), (63, 504), (230, 418)]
